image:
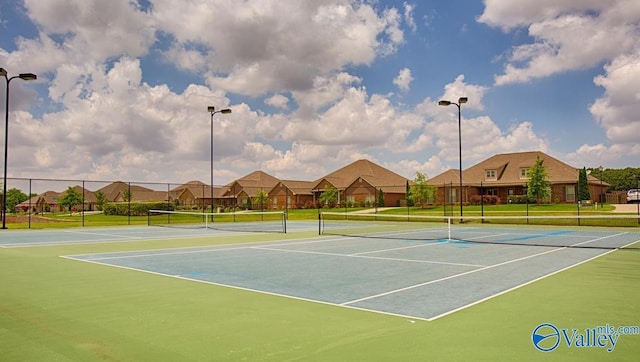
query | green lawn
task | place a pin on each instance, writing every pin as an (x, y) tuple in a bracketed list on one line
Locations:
[(53, 308)]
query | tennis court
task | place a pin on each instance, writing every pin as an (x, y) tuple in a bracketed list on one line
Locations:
[(404, 276)]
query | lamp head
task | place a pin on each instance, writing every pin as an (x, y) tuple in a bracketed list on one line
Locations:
[(444, 103), (462, 100), (226, 111), (211, 109), (3, 72), (27, 76)]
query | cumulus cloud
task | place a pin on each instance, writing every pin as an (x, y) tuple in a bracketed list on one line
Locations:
[(403, 80), (255, 47), (568, 35), (618, 111), (278, 101)]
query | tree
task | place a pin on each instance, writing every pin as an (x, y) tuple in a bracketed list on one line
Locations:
[(14, 197), (100, 200), (261, 198), (539, 187), (618, 179), (422, 193), (583, 185), (127, 195), (70, 198), (329, 197), (380, 198)]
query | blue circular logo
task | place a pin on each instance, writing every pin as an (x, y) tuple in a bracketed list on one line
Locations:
[(545, 337)]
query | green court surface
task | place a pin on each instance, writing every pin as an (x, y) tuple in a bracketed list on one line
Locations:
[(55, 307)]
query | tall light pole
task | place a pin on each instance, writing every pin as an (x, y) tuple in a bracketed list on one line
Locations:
[(461, 101), (23, 76), (212, 110), (601, 198)]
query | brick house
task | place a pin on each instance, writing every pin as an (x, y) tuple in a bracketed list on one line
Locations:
[(504, 175), (360, 182)]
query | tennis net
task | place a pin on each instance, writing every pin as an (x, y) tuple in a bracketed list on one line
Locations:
[(589, 231), (265, 221)]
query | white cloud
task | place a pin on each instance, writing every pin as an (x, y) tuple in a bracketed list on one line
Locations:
[(95, 29), (255, 47), (618, 111), (568, 35), (278, 101), (404, 79)]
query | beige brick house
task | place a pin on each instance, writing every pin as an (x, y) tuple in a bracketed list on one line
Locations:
[(504, 175)]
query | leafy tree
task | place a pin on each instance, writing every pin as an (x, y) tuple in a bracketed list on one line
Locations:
[(70, 198), (539, 186), (329, 197), (14, 197), (127, 195), (618, 179), (583, 185), (421, 192), (261, 198), (100, 200)]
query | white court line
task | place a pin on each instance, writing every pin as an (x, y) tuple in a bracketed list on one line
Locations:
[(449, 277), (366, 257)]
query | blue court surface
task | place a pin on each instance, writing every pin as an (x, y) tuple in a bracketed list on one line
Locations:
[(409, 278)]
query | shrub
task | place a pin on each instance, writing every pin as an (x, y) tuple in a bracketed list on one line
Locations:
[(521, 199), (136, 208), (486, 199)]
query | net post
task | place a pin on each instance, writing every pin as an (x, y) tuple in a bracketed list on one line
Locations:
[(449, 228), (284, 221), (319, 222)]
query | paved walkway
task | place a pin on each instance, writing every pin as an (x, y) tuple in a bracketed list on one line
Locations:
[(626, 208)]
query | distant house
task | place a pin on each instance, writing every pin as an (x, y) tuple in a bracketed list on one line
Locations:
[(239, 191), (289, 194), (49, 201), (359, 184), (505, 175)]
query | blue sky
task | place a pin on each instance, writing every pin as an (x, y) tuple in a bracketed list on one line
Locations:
[(123, 86)]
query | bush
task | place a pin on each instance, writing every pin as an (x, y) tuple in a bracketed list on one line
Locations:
[(137, 208), (521, 199), (486, 199)]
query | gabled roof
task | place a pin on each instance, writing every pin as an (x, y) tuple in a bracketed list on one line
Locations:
[(112, 190), (252, 183), (374, 174), (299, 187), (198, 189), (507, 167), (448, 177)]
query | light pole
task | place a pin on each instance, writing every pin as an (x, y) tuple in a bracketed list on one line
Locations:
[(212, 110), (23, 76), (601, 194), (461, 101)]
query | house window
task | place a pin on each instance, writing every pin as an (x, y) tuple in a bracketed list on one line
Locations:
[(492, 192), (510, 192), (491, 174), (570, 193), (523, 172), (370, 199)]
